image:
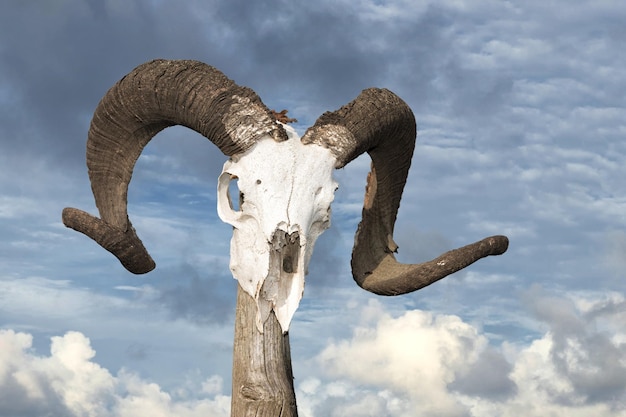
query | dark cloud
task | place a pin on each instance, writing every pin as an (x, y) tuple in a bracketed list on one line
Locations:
[(581, 352), (310, 52), (15, 401), (203, 299), (59, 68), (137, 351), (608, 308), (487, 378)]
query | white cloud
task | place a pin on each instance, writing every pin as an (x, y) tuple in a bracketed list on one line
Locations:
[(416, 356), (421, 364), (132, 328), (17, 207), (69, 383)]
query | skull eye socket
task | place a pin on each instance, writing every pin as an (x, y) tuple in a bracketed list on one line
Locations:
[(229, 199), (235, 196)]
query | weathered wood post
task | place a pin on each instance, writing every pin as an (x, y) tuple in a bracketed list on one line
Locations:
[(262, 375), (286, 189)]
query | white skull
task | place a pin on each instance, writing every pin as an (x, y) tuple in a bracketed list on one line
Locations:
[(287, 190)]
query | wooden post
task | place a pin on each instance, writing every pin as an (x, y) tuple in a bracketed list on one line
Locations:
[(262, 374)]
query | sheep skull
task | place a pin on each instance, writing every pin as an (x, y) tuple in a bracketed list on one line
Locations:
[(286, 190), (286, 182)]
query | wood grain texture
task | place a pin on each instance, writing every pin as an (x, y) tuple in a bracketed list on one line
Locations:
[(262, 374)]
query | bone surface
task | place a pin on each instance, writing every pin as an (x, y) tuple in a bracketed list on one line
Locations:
[(287, 189)]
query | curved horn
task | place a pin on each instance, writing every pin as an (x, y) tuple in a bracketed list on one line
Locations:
[(380, 123), (153, 96)]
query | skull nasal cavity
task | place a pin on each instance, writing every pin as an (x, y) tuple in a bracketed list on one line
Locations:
[(288, 245), (288, 264)]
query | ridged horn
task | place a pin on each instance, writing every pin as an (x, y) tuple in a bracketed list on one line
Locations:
[(153, 96), (380, 123)]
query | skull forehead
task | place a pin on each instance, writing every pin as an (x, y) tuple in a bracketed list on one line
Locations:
[(286, 162), (284, 183)]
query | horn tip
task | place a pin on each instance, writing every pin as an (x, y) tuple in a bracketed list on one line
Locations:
[(498, 244), (125, 246)]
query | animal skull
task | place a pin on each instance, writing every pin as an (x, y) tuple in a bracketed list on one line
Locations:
[(287, 189), (286, 181)]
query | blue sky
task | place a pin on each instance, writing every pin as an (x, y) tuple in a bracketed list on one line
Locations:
[(521, 123)]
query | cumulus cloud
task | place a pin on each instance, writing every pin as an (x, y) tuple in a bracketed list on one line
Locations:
[(591, 360), (68, 383), (415, 356), (424, 364)]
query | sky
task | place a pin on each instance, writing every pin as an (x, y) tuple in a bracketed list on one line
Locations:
[(521, 122)]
